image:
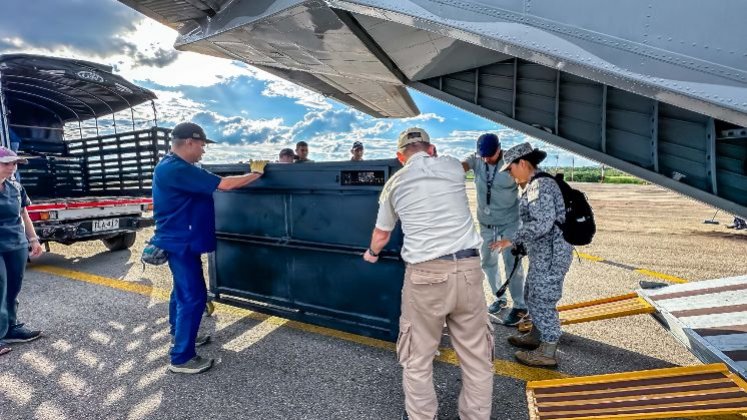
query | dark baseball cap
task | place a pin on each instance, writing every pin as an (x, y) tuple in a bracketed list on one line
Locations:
[(188, 130), (488, 144), (357, 145)]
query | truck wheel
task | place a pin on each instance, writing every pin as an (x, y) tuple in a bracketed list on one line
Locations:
[(120, 242)]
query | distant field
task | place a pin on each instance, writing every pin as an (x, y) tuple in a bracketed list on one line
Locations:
[(591, 174)]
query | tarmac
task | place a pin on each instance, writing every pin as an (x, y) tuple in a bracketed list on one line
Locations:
[(105, 347)]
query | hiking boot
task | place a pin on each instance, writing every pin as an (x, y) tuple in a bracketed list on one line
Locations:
[(543, 356), (529, 340), (200, 340), (525, 325), (496, 306), (197, 364), (20, 334), (513, 317)]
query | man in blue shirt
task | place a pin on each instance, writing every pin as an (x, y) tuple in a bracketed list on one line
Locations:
[(185, 228)]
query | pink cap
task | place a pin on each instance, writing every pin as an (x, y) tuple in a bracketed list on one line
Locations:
[(9, 156)]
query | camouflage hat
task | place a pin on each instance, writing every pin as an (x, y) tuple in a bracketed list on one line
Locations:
[(523, 150), (412, 135)]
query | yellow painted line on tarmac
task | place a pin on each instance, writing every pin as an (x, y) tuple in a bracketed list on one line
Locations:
[(127, 286), (500, 367), (661, 276), (589, 257), (644, 271)]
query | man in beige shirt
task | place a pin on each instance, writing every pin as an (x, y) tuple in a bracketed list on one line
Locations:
[(443, 278)]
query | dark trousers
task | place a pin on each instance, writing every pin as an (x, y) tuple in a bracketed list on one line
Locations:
[(188, 299), (12, 268)]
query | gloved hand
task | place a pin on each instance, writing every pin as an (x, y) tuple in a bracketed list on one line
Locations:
[(258, 166)]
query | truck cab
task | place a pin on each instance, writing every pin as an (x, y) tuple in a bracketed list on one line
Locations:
[(90, 143)]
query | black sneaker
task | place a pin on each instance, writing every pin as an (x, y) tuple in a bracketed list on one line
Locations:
[(514, 317), (497, 306), (195, 365), (20, 334)]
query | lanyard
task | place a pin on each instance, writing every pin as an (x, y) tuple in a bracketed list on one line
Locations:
[(490, 179)]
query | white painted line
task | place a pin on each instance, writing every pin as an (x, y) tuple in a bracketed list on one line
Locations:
[(697, 285), (713, 321), (715, 300)]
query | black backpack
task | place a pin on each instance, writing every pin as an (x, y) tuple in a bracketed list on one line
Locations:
[(579, 227)]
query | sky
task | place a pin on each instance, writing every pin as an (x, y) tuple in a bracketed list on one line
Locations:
[(252, 114)]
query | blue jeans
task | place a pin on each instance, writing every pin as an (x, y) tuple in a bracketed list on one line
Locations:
[(12, 268), (188, 299), (489, 263)]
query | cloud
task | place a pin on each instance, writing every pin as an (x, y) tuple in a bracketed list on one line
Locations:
[(160, 58), (429, 116), (89, 27), (279, 87), (237, 129), (330, 122)]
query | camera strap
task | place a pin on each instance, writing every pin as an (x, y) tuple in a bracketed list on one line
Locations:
[(502, 290)]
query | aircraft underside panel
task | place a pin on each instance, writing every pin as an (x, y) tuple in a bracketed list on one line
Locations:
[(656, 89), (691, 153)]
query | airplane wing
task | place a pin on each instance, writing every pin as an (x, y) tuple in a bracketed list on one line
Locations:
[(290, 39)]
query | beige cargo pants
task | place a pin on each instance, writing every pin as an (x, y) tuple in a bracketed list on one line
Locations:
[(451, 291)]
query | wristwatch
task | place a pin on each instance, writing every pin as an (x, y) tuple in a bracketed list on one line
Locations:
[(371, 253)]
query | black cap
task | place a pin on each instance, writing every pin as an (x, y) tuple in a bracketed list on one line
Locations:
[(188, 130), (357, 145)]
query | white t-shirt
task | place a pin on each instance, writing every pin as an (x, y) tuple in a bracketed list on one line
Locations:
[(429, 197)]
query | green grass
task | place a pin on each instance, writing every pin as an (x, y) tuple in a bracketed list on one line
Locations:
[(589, 174), (594, 174)]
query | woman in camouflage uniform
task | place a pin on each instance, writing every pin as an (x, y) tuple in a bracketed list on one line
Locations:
[(541, 208)]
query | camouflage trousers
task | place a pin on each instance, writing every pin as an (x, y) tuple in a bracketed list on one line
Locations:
[(549, 261)]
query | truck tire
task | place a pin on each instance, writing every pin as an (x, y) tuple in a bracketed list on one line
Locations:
[(120, 242)]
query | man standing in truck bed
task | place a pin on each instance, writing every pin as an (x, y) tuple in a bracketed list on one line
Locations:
[(185, 228)]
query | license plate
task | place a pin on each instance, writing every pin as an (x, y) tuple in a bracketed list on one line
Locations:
[(105, 224)]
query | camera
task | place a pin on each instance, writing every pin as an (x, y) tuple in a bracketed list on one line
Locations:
[(518, 250)]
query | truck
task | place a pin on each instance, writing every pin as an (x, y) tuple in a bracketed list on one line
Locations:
[(90, 169)]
